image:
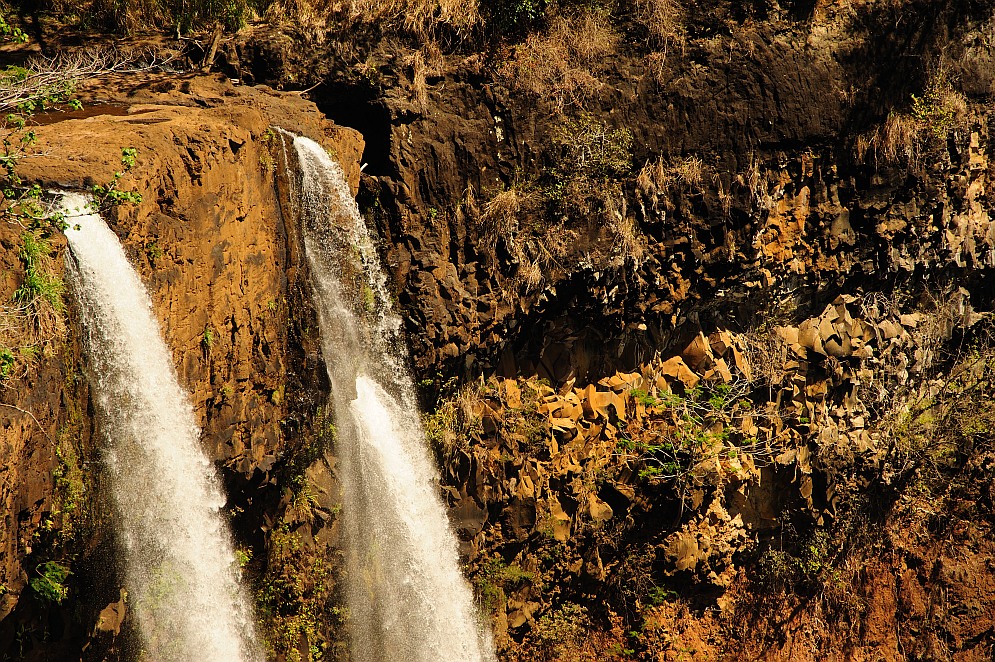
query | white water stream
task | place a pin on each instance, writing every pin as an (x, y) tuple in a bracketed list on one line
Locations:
[(179, 562), (407, 599)]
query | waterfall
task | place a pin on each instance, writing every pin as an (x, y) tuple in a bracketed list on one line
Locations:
[(407, 598), (179, 562)]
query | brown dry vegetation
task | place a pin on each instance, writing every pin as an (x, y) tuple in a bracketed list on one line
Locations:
[(420, 17), (561, 65), (664, 20), (904, 137)]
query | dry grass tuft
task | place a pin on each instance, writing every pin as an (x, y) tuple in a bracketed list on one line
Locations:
[(689, 171), (658, 179), (561, 65), (766, 353), (654, 182), (426, 62), (665, 21), (307, 19), (897, 139), (904, 137), (500, 222), (419, 17)]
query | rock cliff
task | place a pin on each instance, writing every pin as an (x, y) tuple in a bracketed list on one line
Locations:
[(702, 326), (224, 274)]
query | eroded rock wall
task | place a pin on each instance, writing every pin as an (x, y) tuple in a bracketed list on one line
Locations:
[(210, 241)]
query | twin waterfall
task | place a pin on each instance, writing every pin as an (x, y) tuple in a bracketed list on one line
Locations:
[(407, 600), (179, 562)]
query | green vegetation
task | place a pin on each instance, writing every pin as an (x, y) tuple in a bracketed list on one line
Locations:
[(109, 195), (50, 583), (207, 337), (940, 107), (38, 285), (153, 251), (10, 32), (243, 556), (454, 419), (514, 17), (295, 597), (7, 362), (69, 505), (905, 137), (592, 149), (561, 630), (314, 441), (691, 426), (496, 579)]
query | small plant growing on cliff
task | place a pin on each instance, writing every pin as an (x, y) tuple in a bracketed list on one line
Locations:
[(592, 148), (939, 108), (243, 556), (38, 285), (50, 585), (561, 631), (293, 595), (153, 251), (207, 339), (7, 361), (110, 195)]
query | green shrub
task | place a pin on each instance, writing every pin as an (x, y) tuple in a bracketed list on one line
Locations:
[(294, 596), (7, 360), (38, 285), (49, 585), (514, 17)]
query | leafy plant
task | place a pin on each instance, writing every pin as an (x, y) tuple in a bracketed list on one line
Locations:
[(49, 585), (153, 251), (110, 195), (514, 17), (7, 361), (496, 578), (294, 595), (38, 285)]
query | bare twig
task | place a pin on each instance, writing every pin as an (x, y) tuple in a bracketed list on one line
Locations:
[(25, 411)]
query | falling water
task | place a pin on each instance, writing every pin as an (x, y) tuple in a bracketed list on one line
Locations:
[(179, 562), (407, 598)]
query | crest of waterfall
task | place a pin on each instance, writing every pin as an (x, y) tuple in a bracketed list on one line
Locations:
[(406, 595), (179, 561)]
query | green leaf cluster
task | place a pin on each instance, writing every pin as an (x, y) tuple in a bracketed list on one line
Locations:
[(50, 584)]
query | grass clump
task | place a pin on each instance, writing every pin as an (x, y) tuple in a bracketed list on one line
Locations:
[(422, 18), (561, 65), (452, 422), (496, 579), (39, 283)]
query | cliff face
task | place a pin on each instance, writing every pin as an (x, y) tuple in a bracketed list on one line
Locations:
[(802, 220), (223, 272), (703, 342)]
